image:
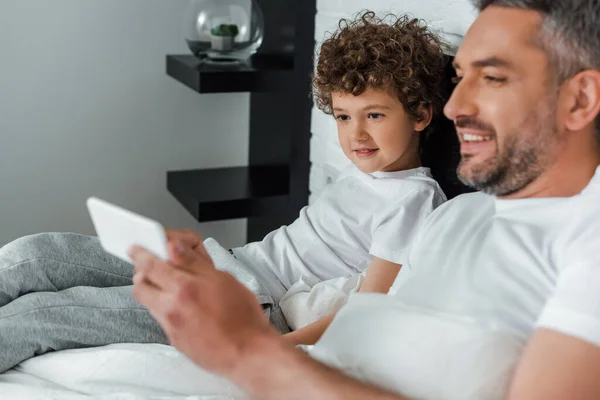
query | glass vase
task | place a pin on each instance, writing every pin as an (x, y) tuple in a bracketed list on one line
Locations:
[(224, 31)]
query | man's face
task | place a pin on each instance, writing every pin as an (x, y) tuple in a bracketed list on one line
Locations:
[(504, 104)]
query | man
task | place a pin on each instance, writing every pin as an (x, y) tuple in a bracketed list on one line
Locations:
[(500, 294)]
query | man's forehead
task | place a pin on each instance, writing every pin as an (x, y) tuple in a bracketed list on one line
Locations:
[(502, 33)]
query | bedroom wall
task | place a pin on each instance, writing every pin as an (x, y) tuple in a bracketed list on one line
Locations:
[(449, 17), (87, 109)]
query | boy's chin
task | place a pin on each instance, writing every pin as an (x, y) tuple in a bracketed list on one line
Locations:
[(367, 169)]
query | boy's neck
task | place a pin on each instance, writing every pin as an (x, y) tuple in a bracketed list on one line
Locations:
[(403, 164)]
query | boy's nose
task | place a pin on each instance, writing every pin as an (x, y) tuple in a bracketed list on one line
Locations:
[(359, 133)]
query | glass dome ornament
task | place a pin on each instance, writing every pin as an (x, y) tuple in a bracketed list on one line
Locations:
[(224, 31)]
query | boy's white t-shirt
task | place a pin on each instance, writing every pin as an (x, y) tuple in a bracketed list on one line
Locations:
[(359, 217), (482, 274)]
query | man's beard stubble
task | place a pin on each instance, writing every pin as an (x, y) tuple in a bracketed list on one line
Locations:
[(520, 161)]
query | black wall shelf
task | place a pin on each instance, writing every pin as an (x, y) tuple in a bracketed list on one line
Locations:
[(274, 187), (264, 73), (235, 192)]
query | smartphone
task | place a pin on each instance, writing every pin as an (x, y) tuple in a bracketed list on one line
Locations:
[(119, 229)]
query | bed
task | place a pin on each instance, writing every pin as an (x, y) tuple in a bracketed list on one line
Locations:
[(114, 372)]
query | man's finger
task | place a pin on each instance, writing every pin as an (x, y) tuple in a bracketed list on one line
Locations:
[(145, 292), (193, 261), (182, 256), (150, 296), (139, 254), (188, 236), (143, 259), (157, 272), (202, 250), (140, 278)]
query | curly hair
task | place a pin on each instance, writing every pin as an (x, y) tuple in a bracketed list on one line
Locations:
[(401, 56)]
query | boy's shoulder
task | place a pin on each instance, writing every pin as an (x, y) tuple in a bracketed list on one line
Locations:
[(418, 181), (392, 188)]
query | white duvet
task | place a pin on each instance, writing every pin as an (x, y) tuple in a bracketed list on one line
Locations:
[(121, 371)]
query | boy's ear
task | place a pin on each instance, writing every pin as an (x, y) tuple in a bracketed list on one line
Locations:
[(425, 116)]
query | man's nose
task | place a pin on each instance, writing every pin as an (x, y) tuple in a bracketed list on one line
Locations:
[(462, 102)]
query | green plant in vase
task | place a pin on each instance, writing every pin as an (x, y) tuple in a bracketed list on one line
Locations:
[(223, 36)]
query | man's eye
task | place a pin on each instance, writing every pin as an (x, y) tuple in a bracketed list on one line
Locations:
[(456, 79), (375, 115), (494, 79), (342, 117)]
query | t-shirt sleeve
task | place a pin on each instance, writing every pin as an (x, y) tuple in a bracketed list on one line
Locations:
[(574, 307), (397, 226)]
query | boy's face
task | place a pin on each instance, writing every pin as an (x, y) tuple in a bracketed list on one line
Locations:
[(375, 131)]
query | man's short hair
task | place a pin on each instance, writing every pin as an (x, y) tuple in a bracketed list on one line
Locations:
[(570, 33)]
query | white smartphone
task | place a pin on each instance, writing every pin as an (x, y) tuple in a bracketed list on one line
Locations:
[(119, 229)]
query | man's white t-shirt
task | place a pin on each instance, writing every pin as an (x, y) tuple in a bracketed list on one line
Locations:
[(594, 185), (482, 274), (359, 217)]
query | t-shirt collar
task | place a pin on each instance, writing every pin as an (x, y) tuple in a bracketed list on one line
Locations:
[(594, 185), (402, 174), (502, 204)]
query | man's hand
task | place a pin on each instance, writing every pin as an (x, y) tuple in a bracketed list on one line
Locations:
[(206, 314), (218, 323), (185, 236)]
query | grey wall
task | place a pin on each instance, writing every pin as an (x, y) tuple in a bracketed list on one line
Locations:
[(87, 109)]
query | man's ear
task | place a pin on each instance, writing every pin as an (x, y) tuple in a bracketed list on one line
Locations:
[(582, 100), (425, 115)]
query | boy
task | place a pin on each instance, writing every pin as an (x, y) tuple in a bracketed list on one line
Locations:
[(380, 81)]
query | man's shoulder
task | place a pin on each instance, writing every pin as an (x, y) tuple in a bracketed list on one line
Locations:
[(582, 228), (465, 202), (461, 211)]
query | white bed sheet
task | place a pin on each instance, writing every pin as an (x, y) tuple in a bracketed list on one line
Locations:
[(115, 372)]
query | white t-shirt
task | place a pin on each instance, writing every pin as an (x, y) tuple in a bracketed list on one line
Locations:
[(358, 217), (482, 274), (594, 185)]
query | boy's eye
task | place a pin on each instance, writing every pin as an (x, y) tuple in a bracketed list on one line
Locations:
[(375, 115), (342, 117), (456, 80)]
